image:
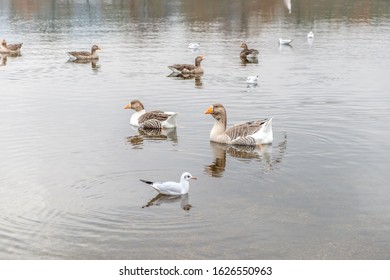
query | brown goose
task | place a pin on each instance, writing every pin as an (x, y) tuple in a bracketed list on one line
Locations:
[(10, 48), (188, 68), (248, 53), (152, 119), (249, 133), (85, 55)]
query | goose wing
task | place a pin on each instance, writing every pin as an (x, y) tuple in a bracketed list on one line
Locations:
[(183, 67), (153, 115), (245, 129), (79, 53), (14, 47)]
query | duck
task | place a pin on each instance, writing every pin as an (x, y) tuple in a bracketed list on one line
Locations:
[(251, 133), (83, 55), (310, 34), (252, 79), (173, 188), (193, 45), (188, 68), (10, 48), (285, 41), (247, 53), (152, 119)]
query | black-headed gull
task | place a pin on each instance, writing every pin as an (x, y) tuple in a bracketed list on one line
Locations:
[(193, 45), (310, 34), (285, 41), (252, 80), (173, 188)]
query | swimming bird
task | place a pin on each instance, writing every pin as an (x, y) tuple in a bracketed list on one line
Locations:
[(285, 41), (152, 119), (252, 79), (249, 133), (10, 48), (188, 68), (85, 55), (193, 45), (310, 34), (248, 53), (173, 188)]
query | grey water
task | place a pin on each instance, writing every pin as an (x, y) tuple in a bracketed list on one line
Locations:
[(70, 162)]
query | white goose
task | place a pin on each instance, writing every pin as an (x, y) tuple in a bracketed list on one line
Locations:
[(249, 133), (173, 188), (152, 119)]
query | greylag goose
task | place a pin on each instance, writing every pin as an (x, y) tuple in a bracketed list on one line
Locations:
[(85, 55), (249, 133), (152, 119), (173, 188), (10, 48), (188, 68), (247, 53)]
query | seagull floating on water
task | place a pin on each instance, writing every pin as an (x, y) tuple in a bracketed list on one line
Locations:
[(252, 79), (173, 188), (310, 34), (193, 45), (285, 41)]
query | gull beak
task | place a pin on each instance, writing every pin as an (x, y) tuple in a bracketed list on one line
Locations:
[(128, 106), (194, 178), (209, 110)]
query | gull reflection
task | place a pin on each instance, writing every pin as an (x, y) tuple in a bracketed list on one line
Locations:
[(160, 199), (169, 134), (262, 153), (287, 3)]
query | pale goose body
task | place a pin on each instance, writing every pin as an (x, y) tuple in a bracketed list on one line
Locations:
[(152, 119), (10, 48), (188, 68), (247, 53), (249, 133), (173, 188), (83, 55)]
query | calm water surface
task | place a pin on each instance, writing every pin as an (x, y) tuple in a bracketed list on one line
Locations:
[(71, 163)]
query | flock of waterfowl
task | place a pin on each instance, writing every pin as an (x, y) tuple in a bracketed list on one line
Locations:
[(251, 133)]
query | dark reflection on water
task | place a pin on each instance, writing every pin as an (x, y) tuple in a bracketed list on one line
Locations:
[(70, 164)]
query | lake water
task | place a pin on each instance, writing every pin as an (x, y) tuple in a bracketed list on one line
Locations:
[(71, 163)]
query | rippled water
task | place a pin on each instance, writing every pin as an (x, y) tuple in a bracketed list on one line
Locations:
[(70, 162)]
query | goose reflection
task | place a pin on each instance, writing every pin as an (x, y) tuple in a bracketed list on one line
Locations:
[(262, 153), (93, 62), (180, 76), (169, 134), (4, 57), (245, 61), (160, 199)]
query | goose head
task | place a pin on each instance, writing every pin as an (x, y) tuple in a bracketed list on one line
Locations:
[(244, 46), (217, 111), (135, 105), (198, 59), (95, 48)]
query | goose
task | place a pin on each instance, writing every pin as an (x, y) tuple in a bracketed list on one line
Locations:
[(173, 188), (152, 119), (10, 48), (252, 79), (193, 45), (188, 68), (248, 53), (85, 55), (285, 41), (310, 34), (249, 133)]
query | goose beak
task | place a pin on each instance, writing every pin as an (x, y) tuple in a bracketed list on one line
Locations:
[(128, 106), (209, 110)]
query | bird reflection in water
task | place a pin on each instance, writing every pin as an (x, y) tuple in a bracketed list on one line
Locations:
[(4, 58), (169, 134), (262, 153), (160, 199), (196, 77), (93, 62), (245, 61)]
